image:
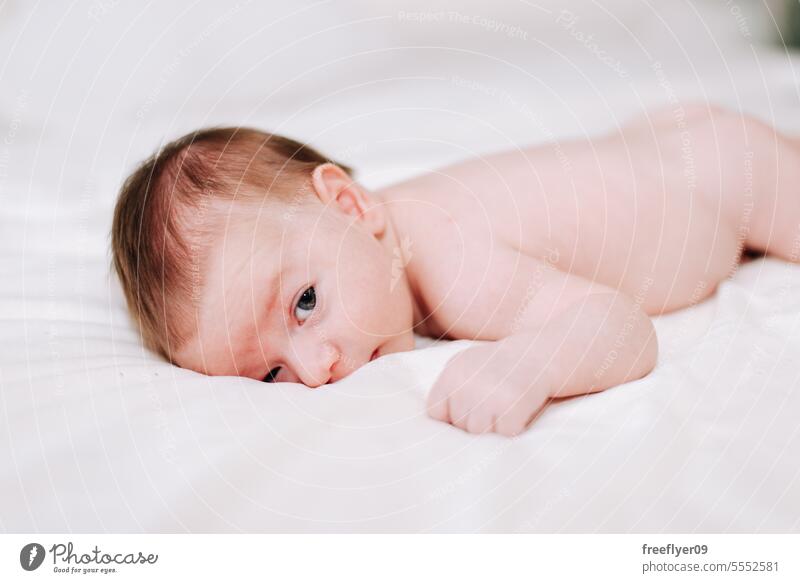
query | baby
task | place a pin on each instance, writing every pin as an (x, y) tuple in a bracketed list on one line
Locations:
[(246, 253)]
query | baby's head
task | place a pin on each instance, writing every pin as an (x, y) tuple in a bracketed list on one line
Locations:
[(245, 253)]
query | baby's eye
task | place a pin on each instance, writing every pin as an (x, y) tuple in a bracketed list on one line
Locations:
[(306, 304), (270, 378)]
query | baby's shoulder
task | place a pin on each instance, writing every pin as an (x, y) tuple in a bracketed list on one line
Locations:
[(468, 282)]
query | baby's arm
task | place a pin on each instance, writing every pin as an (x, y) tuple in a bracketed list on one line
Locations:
[(573, 337)]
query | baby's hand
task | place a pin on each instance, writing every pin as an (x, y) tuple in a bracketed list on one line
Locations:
[(481, 390), (603, 340)]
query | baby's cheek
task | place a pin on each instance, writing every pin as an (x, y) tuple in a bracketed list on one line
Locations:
[(356, 309), (377, 311)]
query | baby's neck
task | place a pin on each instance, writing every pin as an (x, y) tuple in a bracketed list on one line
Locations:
[(398, 245)]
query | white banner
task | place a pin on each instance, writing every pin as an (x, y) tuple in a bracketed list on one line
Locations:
[(400, 558)]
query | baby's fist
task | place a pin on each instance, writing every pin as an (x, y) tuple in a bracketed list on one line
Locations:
[(479, 392)]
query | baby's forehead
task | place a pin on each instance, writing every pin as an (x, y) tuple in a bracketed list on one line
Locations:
[(222, 223), (243, 243), (246, 250), (235, 279)]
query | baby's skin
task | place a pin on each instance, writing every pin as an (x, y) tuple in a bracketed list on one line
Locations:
[(558, 253)]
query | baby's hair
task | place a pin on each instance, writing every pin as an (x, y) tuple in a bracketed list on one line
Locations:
[(168, 209)]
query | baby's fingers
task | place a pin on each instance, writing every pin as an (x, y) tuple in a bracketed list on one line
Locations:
[(512, 423), (438, 406), (480, 421), (515, 419)]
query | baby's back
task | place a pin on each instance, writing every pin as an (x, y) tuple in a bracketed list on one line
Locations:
[(638, 210)]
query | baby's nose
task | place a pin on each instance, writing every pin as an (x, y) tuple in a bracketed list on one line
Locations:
[(316, 363)]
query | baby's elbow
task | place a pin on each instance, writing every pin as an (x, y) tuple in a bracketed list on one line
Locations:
[(645, 343), (650, 349), (637, 334)]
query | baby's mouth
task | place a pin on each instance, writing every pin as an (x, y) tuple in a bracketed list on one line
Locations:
[(375, 354)]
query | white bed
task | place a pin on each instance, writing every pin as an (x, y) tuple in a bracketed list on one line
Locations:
[(98, 435)]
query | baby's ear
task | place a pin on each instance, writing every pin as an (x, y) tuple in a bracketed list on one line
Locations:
[(335, 187)]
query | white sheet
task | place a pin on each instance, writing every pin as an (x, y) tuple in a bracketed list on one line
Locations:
[(100, 436)]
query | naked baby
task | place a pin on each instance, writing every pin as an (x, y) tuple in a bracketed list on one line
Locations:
[(247, 253)]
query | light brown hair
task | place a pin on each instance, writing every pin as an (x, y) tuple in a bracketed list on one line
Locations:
[(164, 220)]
